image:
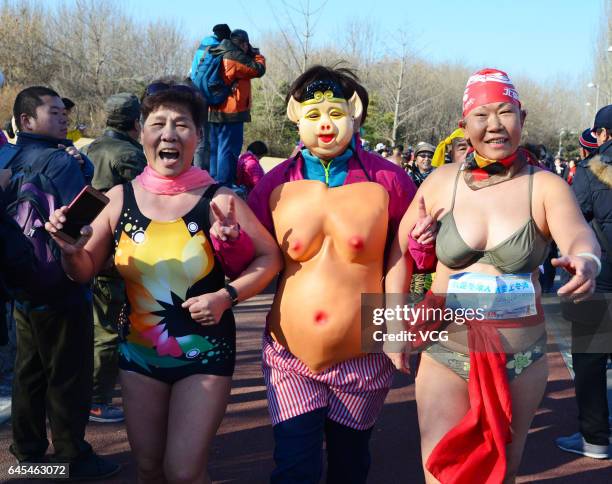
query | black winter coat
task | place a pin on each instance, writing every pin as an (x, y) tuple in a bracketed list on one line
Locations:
[(593, 189)]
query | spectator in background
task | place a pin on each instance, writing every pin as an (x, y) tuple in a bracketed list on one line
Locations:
[(590, 320), (588, 144), (249, 171), (455, 144), (241, 63), (570, 171), (559, 167), (221, 32), (54, 361), (423, 154), (396, 155), (117, 155), (118, 158), (459, 150), (75, 133), (407, 160)]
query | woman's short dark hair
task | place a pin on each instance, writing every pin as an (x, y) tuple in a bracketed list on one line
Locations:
[(175, 93), (258, 148)]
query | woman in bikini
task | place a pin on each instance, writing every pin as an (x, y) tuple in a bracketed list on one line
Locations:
[(478, 392)]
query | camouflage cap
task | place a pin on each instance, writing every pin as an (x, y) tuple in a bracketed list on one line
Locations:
[(123, 107)]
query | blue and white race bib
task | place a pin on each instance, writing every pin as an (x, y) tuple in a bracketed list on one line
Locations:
[(507, 296)]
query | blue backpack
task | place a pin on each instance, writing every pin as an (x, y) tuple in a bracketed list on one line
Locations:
[(36, 198), (207, 78)]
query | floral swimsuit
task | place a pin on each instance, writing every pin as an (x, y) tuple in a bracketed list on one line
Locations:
[(516, 363), (163, 264)]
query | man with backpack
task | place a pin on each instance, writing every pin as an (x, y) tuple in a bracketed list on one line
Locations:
[(54, 362), (230, 106), (221, 32)]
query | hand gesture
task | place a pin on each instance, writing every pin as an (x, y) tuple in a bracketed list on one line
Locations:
[(424, 231), (582, 284), (207, 309), (225, 227), (55, 224)]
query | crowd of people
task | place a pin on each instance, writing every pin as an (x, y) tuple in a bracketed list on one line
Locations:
[(192, 227)]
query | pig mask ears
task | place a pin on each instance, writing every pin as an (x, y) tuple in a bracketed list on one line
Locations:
[(294, 108), (355, 108)]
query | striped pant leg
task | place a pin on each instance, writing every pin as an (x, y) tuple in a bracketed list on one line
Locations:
[(359, 391), (291, 388)]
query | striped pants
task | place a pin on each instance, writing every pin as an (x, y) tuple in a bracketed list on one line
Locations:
[(353, 391)]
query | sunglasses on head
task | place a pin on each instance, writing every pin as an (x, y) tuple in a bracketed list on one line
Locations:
[(158, 87)]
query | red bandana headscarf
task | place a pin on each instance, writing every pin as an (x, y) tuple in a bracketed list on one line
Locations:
[(484, 87), (488, 86)]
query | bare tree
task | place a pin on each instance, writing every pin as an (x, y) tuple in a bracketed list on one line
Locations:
[(297, 23)]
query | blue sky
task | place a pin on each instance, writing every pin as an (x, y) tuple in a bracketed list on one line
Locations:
[(542, 39)]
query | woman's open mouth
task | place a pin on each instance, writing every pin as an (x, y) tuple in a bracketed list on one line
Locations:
[(326, 138), (169, 154)]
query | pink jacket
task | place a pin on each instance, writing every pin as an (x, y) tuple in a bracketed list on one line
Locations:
[(366, 166), (248, 170)]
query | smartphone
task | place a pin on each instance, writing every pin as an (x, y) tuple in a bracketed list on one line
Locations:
[(82, 211)]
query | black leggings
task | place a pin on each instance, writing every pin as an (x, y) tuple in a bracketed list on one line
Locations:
[(591, 396), (299, 447)]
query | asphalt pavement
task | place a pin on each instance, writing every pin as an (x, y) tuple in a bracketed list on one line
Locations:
[(242, 451)]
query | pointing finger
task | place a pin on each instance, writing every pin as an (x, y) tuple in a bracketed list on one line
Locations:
[(422, 209)]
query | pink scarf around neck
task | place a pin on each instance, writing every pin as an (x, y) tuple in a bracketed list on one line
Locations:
[(191, 179)]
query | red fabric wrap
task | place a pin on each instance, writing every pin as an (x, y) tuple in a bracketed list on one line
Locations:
[(488, 86), (475, 450)]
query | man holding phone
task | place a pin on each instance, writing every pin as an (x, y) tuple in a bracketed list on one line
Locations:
[(118, 158), (53, 366)]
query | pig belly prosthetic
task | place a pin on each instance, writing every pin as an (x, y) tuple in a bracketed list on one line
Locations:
[(333, 241)]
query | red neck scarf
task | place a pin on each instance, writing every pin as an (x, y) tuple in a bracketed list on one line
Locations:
[(483, 168), (480, 172), (190, 179), (475, 449)]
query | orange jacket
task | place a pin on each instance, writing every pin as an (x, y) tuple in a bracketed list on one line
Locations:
[(238, 70)]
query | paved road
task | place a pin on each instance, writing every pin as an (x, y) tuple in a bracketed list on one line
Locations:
[(242, 451)]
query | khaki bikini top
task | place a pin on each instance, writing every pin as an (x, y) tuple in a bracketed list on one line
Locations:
[(521, 252)]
